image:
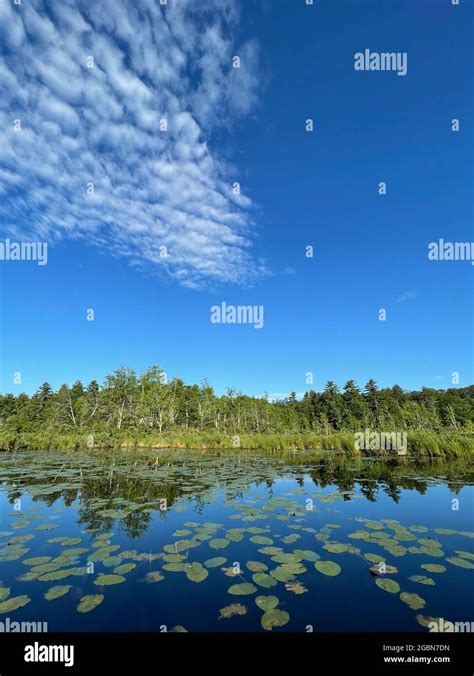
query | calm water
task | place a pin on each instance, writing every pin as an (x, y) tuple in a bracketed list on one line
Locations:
[(266, 523)]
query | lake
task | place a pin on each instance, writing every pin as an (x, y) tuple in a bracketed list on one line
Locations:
[(206, 541)]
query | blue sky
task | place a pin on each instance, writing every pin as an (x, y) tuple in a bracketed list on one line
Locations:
[(173, 188)]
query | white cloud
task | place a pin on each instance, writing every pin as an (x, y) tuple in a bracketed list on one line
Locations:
[(101, 125), (406, 295)]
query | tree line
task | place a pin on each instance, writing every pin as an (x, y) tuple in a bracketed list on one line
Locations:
[(147, 402)]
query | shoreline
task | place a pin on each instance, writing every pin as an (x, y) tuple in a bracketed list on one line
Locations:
[(420, 443)]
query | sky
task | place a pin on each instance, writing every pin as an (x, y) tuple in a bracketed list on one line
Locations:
[(164, 155)]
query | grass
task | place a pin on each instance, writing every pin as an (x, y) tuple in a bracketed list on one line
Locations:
[(420, 443)]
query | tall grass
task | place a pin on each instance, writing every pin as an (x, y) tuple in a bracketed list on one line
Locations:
[(421, 443)]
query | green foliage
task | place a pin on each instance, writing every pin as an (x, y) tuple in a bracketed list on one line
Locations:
[(146, 410)]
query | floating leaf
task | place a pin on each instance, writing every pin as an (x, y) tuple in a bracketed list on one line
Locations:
[(287, 558), (219, 543), (231, 610), (4, 593), (433, 567), (154, 576), (267, 602), (462, 563), (89, 602), (256, 566), (296, 587), (174, 567), (61, 574), (243, 589), (195, 572), (374, 558), (14, 603), (104, 580), (271, 551), (422, 579), (413, 601), (388, 585), (328, 568), (264, 580), (465, 555), (274, 618), (261, 540), (46, 526), (36, 560), (306, 555), (57, 592), (65, 541), (335, 547), (215, 562), (179, 629), (124, 568)]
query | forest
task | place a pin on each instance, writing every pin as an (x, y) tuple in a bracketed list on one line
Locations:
[(130, 407)]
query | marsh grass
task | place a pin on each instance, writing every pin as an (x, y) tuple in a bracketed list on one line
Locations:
[(421, 443)]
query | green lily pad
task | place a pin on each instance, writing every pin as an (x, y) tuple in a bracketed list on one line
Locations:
[(14, 603), (264, 580), (465, 555), (36, 560), (67, 542), (271, 551), (242, 589), (335, 547), (387, 585), (47, 526), (124, 568), (57, 592), (154, 576), (422, 579), (261, 540), (195, 572), (306, 555), (178, 629), (104, 580), (219, 543), (330, 568), (433, 567), (231, 610), (89, 602), (458, 561), (4, 593), (274, 618), (62, 574), (256, 566), (174, 567), (413, 601), (374, 558), (215, 562), (267, 602)]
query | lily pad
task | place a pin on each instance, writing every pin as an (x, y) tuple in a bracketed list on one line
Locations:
[(231, 610), (219, 543), (243, 589), (264, 580), (154, 576), (124, 568), (433, 567), (296, 587), (266, 603), (215, 562), (274, 618), (388, 585), (14, 603), (104, 580), (89, 602), (261, 540), (306, 555), (413, 601), (422, 579), (458, 561), (330, 568), (256, 566), (4, 593), (57, 592), (195, 572)]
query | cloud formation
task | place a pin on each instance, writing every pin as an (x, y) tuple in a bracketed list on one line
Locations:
[(107, 117)]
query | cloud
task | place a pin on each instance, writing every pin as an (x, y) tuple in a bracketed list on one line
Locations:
[(119, 103), (406, 295)]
